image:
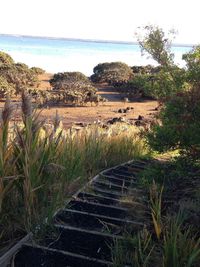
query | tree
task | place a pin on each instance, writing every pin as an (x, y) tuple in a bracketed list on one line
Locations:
[(113, 72), (193, 65), (153, 40), (178, 126), (170, 79)]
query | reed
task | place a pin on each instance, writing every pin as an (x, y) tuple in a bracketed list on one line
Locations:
[(42, 165), (180, 247)]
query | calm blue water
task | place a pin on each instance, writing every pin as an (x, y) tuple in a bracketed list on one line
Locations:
[(56, 55)]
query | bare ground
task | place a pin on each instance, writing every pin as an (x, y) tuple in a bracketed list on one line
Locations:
[(89, 114)]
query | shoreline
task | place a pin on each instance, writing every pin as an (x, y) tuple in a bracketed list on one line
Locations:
[(87, 40)]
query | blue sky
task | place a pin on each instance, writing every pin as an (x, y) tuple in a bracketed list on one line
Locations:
[(99, 19)]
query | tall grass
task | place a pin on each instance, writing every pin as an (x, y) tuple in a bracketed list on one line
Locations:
[(41, 167), (180, 247), (133, 250), (155, 206)]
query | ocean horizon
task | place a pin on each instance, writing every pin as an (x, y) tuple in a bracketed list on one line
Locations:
[(69, 54)]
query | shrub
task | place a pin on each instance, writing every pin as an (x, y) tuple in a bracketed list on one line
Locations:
[(162, 85), (148, 69), (180, 125), (113, 72), (73, 87), (157, 82), (5, 88), (5, 59), (38, 70), (16, 76), (67, 79)]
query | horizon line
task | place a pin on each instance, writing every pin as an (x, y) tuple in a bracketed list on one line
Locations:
[(87, 40)]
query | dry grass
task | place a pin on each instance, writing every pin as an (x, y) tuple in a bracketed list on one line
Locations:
[(42, 165)]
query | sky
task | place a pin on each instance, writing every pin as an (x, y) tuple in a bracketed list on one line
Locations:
[(100, 19)]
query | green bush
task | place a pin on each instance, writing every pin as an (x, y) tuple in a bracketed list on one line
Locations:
[(113, 72), (148, 69), (66, 79), (73, 87), (15, 76), (37, 70), (163, 85), (180, 125), (5, 59), (5, 88), (157, 83)]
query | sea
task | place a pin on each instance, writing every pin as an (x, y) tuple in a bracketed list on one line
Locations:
[(62, 54)]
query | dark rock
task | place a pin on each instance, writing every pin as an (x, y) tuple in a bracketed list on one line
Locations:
[(125, 110), (115, 120), (140, 117)]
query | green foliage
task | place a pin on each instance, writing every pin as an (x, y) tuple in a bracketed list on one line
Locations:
[(157, 83), (148, 69), (113, 72), (181, 247), (5, 59), (180, 128), (168, 79), (38, 70), (133, 250), (162, 85), (193, 65), (5, 88), (175, 219), (155, 205), (73, 87), (66, 79), (15, 77), (155, 43)]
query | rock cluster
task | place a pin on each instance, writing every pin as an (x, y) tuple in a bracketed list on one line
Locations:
[(125, 110)]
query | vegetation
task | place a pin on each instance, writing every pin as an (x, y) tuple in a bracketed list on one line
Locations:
[(178, 124), (114, 72), (180, 128), (41, 165), (171, 236), (5, 59), (38, 70), (166, 79), (74, 87), (15, 76)]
